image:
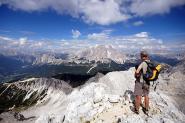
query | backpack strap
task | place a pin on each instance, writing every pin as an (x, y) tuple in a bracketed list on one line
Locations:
[(147, 62)]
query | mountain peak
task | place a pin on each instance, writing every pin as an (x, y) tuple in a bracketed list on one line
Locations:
[(102, 53)]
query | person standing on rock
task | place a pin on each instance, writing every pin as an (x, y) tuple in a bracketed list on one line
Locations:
[(142, 86)]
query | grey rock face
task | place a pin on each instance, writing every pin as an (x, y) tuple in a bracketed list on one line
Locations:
[(102, 53), (28, 92)]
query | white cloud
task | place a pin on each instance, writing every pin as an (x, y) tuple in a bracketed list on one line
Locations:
[(138, 23), (23, 40), (142, 35), (127, 43), (75, 33), (103, 12), (102, 36), (38, 44), (98, 36), (65, 43), (160, 42), (3, 38), (151, 7)]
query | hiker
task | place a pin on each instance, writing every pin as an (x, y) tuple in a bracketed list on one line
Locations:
[(142, 86)]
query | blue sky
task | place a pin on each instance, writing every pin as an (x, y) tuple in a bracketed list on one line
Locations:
[(83, 20)]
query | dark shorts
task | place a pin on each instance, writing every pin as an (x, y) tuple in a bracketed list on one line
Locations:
[(141, 89)]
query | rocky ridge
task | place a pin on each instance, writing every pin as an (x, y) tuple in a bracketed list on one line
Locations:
[(108, 99)]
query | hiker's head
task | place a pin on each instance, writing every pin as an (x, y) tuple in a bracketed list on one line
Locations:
[(144, 55)]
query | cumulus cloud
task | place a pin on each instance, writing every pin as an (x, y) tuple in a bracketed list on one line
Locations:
[(38, 44), (103, 12), (23, 40), (102, 36), (142, 35), (138, 23), (151, 7), (126, 43), (17, 44), (75, 33)]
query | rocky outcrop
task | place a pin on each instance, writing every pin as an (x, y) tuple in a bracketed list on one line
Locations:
[(30, 91)]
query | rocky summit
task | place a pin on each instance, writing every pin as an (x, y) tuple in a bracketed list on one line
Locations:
[(107, 99)]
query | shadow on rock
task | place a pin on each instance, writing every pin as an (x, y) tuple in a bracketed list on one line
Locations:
[(129, 96), (20, 117)]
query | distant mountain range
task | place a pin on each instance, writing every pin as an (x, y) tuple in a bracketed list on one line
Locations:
[(102, 58)]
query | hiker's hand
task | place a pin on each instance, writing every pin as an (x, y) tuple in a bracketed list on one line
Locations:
[(137, 75)]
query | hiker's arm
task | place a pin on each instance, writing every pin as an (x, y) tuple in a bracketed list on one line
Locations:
[(144, 67), (139, 68), (137, 73)]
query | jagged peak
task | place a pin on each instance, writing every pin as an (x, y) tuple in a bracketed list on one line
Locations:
[(102, 53)]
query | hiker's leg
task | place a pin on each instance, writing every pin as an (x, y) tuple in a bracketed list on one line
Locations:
[(137, 102), (138, 93), (146, 88), (146, 100)]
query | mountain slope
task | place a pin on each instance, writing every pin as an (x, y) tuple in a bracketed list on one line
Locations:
[(107, 99), (23, 94)]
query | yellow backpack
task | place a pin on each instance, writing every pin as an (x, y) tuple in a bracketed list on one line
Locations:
[(153, 71)]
